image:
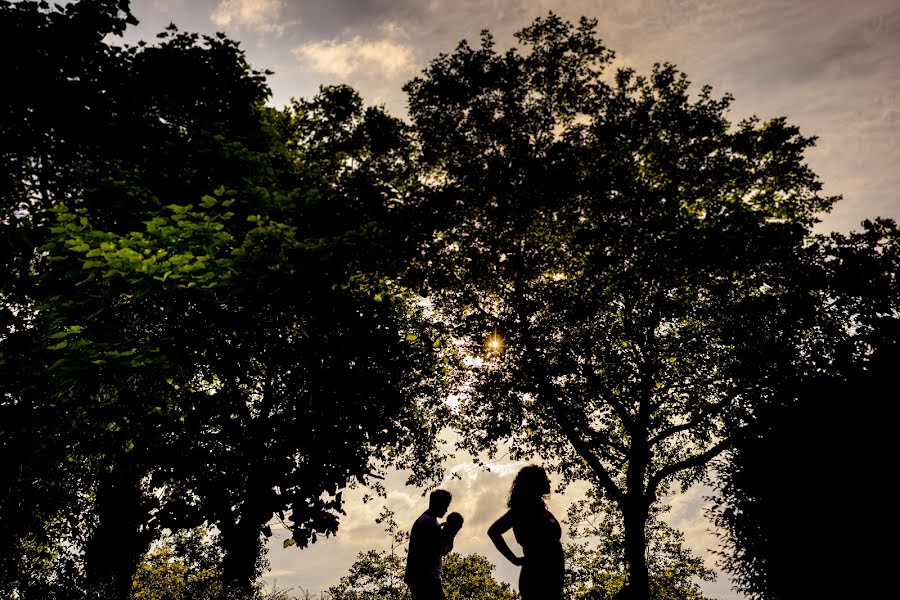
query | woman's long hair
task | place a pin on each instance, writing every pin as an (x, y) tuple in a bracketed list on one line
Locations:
[(529, 488)]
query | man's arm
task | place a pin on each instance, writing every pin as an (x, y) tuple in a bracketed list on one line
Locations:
[(447, 536)]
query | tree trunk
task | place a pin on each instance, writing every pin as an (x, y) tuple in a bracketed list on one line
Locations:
[(635, 512), (635, 516), (121, 537), (240, 564)]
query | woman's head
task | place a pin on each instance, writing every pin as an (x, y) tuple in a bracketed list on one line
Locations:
[(529, 487)]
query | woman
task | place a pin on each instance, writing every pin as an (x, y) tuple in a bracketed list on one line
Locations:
[(537, 531)]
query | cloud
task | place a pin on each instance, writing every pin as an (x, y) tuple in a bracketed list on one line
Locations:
[(262, 16), (380, 57)]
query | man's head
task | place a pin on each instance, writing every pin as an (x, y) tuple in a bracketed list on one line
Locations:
[(439, 502)]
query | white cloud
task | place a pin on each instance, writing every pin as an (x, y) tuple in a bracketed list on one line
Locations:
[(263, 16), (382, 57)]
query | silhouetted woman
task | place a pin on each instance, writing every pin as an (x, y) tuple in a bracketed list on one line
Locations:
[(537, 531)]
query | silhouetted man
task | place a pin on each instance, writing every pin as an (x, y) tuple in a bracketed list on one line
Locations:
[(428, 543)]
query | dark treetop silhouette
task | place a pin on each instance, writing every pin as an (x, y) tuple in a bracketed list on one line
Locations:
[(642, 257), (537, 531), (198, 320), (205, 306)]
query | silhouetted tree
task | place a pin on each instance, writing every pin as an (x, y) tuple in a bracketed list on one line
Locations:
[(807, 480), (640, 257), (200, 324), (595, 565)]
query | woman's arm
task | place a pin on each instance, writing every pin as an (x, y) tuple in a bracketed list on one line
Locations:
[(496, 531)]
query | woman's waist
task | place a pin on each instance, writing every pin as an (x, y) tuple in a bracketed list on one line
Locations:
[(553, 550)]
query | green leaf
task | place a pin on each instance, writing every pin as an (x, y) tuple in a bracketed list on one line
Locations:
[(411, 337), (288, 543), (58, 346)]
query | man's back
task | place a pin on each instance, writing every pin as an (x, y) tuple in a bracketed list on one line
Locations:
[(427, 547)]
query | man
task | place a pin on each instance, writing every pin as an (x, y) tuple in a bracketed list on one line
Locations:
[(428, 543)]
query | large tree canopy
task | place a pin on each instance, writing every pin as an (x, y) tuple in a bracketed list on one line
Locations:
[(641, 257), (201, 320), (214, 312)]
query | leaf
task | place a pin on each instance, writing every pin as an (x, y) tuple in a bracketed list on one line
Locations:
[(58, 346), (288, 543), (411, 337)]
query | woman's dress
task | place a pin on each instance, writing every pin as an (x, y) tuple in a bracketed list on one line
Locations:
[(543, 569)]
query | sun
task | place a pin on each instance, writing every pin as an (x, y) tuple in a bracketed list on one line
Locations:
[(494, 343)]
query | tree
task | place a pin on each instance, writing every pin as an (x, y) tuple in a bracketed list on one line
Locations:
[(184, 567), (639, 258), (788, 478), (595, 561), (200, 321), (378, 574)]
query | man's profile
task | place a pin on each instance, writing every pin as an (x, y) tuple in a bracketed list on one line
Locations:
[(429, 541)]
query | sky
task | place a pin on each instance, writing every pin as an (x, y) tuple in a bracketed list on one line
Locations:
[(831, 67)]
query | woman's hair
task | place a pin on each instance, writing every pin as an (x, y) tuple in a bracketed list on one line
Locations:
[(529, 487)]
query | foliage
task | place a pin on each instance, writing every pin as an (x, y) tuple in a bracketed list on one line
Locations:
[(378, 574), (823, 455), (595, 563), (186, 567), (200, 319), (642, 258)]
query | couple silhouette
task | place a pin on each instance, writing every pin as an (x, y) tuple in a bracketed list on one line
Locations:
[(534, 527)]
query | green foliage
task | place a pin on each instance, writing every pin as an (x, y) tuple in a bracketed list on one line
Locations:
[(470, 577), (184, 568), (378, 574), (201, 318), (595, 561)]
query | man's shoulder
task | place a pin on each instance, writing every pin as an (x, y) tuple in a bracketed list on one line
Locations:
[(425, 519)]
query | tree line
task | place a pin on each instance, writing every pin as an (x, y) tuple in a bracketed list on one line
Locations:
[(214, 312)]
